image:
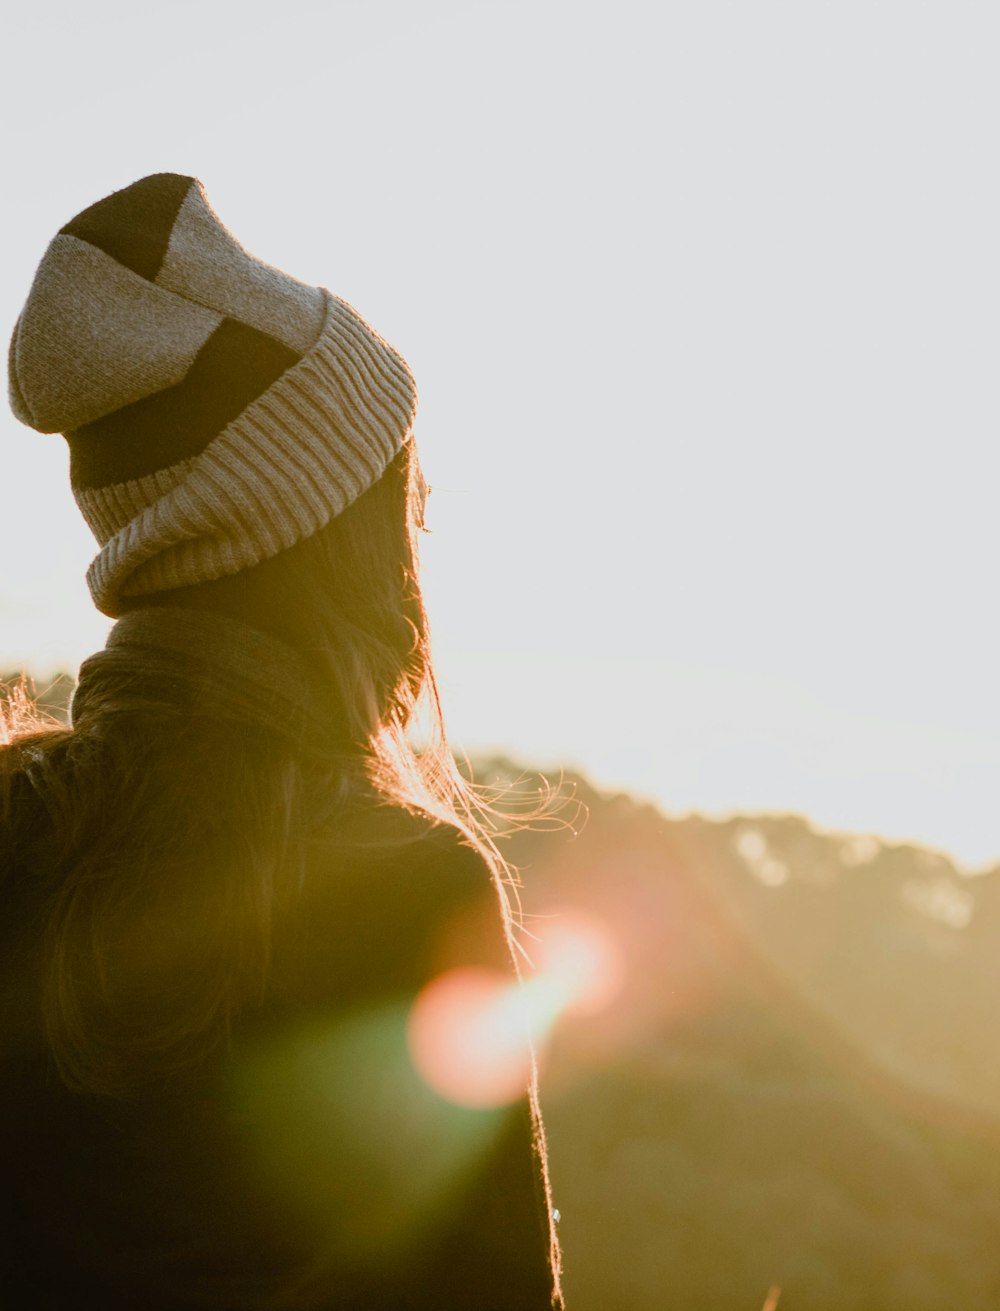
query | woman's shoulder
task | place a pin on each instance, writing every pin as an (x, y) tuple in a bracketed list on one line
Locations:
[(394, 900), (409, 844)]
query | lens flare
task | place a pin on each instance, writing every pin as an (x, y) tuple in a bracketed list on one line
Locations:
[(578, 961), (470, 1039), (472, 1031)]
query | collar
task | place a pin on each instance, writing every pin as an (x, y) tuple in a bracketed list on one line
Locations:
[(209, 665)]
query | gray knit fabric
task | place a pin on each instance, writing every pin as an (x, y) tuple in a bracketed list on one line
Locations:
[(206, 263), (94, 336), (295, 458), (97, 337)]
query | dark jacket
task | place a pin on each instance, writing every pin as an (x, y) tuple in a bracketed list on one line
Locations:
[(306, 1165)]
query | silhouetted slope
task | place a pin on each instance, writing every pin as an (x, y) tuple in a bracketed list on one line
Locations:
[(728, 1124)]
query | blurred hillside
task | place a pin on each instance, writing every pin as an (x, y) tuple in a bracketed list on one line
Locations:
[(793, 1077), (798, 1082)]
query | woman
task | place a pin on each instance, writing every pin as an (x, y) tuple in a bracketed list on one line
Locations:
[(231, 887)]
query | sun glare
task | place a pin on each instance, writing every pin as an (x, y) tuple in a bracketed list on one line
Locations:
[(469, 1037), (578, 962), (472, 1031)]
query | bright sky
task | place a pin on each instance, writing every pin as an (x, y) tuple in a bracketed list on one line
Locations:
[(703, 300)]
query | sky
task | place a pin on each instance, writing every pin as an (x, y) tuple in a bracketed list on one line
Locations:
[(702, 301)]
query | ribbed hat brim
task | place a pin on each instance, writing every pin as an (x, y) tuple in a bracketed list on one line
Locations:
[(298, 455)]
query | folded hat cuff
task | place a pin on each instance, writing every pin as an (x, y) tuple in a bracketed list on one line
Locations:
[(307, 447)]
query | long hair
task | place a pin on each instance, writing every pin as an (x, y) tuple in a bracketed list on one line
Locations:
[(172, 840)]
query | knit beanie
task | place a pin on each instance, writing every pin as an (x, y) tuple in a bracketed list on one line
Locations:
[(217, 410)]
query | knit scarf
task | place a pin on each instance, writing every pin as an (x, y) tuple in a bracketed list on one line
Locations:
[(207, 665)]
